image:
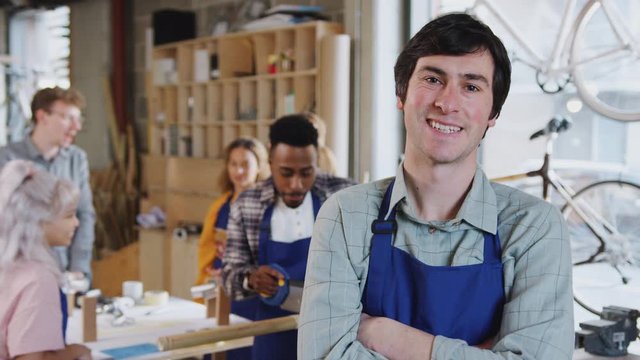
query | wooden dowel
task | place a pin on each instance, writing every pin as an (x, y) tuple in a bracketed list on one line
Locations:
[(228, 332), (222, 307), (89, 325)]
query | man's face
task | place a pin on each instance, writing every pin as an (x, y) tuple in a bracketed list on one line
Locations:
[(294, 171), (61, 122), (447, 108)]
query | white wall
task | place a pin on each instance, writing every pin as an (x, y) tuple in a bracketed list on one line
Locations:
[(90, 63)]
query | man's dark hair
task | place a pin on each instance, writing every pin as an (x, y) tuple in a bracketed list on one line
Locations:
[(455, 34), (294, 130)]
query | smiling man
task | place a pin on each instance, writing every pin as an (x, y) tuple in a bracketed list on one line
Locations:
[(56, 120), (439, 263), (272, 224)]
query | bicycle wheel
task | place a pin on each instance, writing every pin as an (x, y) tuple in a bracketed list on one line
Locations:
[(614, 208), (605, 58)]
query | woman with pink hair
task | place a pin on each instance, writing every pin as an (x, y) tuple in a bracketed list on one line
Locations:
[(37, 211)]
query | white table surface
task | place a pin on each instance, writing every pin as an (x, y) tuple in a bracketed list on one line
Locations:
[(177, 317)]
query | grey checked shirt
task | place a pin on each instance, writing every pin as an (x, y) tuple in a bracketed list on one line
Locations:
[(537, 320), (71, 164), (243, 229)]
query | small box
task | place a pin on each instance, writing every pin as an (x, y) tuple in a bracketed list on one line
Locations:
[(201, 66)]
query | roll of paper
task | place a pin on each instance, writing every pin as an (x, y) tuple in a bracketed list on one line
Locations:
[(334, 97)]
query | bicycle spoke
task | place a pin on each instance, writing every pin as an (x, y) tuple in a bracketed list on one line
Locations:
[(605, 60), (605, 272)]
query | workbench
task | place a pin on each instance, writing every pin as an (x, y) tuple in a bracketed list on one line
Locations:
[(176, 317)]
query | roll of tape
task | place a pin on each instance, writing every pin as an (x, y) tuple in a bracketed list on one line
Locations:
[(156, 297), (281, 293), (180, 234)]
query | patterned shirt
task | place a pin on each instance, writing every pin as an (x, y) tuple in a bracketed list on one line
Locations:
[(71, 164), (243, 230), (537, 320)]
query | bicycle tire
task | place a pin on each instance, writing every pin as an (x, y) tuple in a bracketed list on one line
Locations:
[(618, 202), (610, 85)]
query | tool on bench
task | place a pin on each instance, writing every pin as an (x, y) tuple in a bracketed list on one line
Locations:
[(611, 334)]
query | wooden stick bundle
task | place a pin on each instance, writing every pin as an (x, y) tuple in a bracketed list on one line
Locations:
[(228, 332)]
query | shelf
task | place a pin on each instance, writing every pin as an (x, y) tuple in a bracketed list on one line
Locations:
[(289, 74), (232, 80)]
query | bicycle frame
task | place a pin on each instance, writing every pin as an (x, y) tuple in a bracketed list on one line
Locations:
[(621, 33), (566, 192)]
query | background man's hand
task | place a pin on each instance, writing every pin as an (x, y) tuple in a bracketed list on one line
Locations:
[(264, 280)]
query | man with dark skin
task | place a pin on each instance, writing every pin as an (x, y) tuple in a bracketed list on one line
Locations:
[(270, 226)]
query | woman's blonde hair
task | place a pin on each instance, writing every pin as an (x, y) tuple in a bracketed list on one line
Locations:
[(29, 197), (320, 126), (258, 150), (327, 161)]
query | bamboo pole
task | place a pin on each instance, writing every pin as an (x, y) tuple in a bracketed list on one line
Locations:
[(228, 332)]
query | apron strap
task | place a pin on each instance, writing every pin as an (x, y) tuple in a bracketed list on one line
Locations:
[(380, 225), (492, 249), (264, 236), (380, 255), (223, 214), (316, 205)]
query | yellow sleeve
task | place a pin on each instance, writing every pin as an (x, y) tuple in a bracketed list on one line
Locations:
[(207, 243)]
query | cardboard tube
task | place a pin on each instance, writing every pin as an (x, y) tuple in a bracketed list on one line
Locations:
[(333, 106), (228, 332)]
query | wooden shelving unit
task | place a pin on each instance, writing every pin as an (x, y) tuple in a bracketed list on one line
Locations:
[(221, 87), (204, 93)]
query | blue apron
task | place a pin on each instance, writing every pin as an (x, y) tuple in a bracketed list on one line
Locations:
[(221, 223), (246, 307), (459, 302), (292, 257), (65, 314)]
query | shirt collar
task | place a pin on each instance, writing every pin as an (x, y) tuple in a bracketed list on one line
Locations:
[(478, 209), (32, 150), (268, 193), (34, 153), (306, 203)]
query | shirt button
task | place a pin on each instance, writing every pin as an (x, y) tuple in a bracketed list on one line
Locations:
[(432, 229)]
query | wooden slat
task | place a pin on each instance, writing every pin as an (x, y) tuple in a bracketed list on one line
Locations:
[(228, 332)]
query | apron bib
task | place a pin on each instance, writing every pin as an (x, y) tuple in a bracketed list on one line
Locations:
[(292, 257), (459, 302)]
